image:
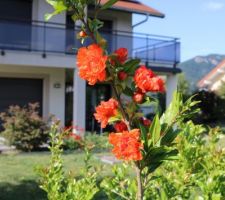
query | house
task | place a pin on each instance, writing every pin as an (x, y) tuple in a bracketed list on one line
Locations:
[(214, 79), (38, 62)]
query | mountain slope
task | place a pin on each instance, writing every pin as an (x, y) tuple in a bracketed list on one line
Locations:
[(197, 67)]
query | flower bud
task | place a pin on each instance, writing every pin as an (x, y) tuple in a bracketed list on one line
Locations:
[(120, 127), (138, 97), (102, 42), (146, 122), (122, 75), (82, 34)]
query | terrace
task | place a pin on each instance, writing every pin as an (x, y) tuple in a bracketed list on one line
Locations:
[(38, 36)]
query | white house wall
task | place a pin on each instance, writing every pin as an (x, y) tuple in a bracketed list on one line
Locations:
[(53, 98), (171, 87), (218, 83), (40, 8), (25, 58)]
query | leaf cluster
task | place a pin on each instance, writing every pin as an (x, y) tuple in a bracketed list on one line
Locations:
[(24, 127), (59, 186), (122, 186), (198, 172), (158, 139)]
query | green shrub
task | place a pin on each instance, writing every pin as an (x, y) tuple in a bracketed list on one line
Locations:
[(71, 144), (198, 172), (99, 142), (60, 186), (24, 128)]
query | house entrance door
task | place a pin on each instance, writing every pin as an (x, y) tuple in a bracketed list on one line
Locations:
[(94, 95)]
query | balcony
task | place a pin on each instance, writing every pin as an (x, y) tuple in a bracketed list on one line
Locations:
[(36, 36)]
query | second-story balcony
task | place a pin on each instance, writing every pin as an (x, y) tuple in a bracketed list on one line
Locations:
[(36, 36)]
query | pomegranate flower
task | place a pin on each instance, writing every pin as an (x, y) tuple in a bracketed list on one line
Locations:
[(120, 126), (75, 137), (147, 81), (121, 54), (127, 145), (91, 63), (105, 110)]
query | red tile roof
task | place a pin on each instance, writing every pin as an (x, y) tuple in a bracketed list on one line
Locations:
[(135, 7), (201, 83)]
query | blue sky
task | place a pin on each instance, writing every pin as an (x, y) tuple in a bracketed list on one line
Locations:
[(200, 24)]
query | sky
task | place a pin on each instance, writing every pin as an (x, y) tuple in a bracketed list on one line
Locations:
[(200, 24)]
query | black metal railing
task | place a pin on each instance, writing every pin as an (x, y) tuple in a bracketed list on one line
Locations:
[(58, 38)]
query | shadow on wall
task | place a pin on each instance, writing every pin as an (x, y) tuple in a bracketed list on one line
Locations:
[(25, 190)]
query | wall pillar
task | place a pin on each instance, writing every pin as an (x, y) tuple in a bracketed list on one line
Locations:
[(79, 103), (171, 86)]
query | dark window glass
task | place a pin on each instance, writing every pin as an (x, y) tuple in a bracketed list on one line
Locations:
[(15, 24), (16, 9)]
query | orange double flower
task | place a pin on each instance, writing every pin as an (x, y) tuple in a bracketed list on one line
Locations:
[(147, 81), (106, 110), (91, 63), (127, 145)]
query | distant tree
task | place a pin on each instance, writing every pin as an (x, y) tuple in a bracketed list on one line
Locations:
[(183, 85), (212, 107)]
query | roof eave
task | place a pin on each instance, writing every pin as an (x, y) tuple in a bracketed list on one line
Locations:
[(160, 15), (212, 74)]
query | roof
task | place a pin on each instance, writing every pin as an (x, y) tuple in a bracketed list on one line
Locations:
[(214, 73), (135, 7)]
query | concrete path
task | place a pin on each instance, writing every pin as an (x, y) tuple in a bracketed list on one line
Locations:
[(4, 147), (109, 159)]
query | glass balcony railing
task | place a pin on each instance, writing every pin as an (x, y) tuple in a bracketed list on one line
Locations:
[(58, 38)]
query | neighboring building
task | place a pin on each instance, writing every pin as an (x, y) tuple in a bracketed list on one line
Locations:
[(214, 79), (38, 63)]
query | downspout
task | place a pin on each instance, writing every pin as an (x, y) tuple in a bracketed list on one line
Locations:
[(141, 22)]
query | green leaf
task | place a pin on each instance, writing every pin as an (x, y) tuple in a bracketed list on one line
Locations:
[(173, 110), (128, 91), (170, 136), (58, 6), (216, 196), (160, 154), (131, 65), (144, 134), (75, 17), (95, 24), (155, 130), (114, 119), (148, 101), (48, 16), (108, 4)]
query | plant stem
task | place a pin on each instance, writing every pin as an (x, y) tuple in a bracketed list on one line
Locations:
[(126, 120), (125, 115), (139, 183), (91, 34)]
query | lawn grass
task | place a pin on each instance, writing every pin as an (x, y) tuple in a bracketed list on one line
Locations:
[(18, 180)]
